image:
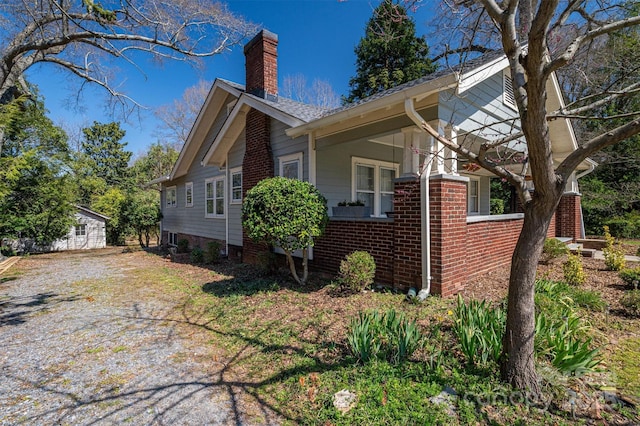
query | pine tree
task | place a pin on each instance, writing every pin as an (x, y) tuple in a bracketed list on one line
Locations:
[(389, 54)]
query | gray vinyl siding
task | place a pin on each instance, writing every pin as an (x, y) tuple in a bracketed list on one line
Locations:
[(484, 188), (333, 166), (472, 109), (235, 156), (281, 145), (191, 220)]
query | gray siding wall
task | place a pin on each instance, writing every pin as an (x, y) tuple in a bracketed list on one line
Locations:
[(333, 166), (485, 195), (281, 145), (235, 156), (191, 220)]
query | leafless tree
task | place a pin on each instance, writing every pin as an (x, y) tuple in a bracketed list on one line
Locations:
[(539, 38), (178, 117), (81, 36), (320, 93)]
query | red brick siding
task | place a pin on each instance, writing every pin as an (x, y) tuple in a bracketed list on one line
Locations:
[(342, 237), (490, 245), (194, 240), (407, 234), (568, 218)]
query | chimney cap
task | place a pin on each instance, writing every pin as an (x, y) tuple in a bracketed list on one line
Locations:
[(263, 34)]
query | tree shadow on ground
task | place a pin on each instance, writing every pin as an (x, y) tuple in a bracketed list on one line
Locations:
[(16, 310)]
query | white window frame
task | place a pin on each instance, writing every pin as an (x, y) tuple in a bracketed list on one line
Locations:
[(171, 197), (473, 181), (216, 196), (188, 189), (172, 238), (81, 229), (508, 94), (285, 159), (377, 165), (232, 173)]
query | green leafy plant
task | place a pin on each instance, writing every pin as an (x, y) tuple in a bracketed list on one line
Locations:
[(573, 272), (479, 329), (631, 276), (196, 255), (212, 252), (496, 205), (183, 245), (285, 213), (553, 248), (389, 336), (357, 271), (351, 203), (613, 254), (631, 302)]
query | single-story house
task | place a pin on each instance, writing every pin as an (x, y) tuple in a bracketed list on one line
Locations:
[(88, 232), (371, 151)]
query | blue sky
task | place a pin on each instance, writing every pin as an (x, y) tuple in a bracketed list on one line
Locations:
[(316, 39)]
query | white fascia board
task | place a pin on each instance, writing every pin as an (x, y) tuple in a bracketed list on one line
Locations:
[(161, 179), (202, 119), (481, 73), (223, 140), (420, 91)]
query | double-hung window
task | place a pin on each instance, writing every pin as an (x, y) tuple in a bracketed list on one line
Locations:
[(236, 186), (473, 199), (81, 230), (373, 184), (214, 197), (188, 194), (290, 166), (171, 196)]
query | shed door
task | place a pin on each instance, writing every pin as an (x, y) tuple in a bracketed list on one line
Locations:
[(81, 236)]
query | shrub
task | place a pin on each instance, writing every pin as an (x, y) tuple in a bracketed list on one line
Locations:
[(631, 276), (389, 337), (479, 329), (553, 248), (197, 255), (573, 271), (7, 251), (613, 254), (631, 302), (183, 245), (496, 205), (212, 253), (357, 271)]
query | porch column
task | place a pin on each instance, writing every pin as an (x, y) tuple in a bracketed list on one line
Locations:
[(412, 150), (448, 199), (451, 161), (407, 252), (439, 163)]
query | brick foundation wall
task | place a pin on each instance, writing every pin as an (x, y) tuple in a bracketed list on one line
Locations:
[(407, 259), (343, 237), (194, 240), (568, 217)]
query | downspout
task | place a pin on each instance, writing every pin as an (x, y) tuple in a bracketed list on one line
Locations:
[(592, 166), (425, 220)]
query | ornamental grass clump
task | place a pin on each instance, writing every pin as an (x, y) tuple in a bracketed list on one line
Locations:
[(357, 271), (479, 329)]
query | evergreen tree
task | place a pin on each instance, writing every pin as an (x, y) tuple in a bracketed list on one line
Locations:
[(105, 153), (389, 54)]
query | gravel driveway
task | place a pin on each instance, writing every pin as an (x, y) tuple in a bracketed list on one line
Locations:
[(74, 354)]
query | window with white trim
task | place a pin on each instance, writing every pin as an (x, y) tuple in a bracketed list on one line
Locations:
[(290, 166), (171, 196), (173, 239), (236, 186), (473, 196), (214, 197), (81, 230), (508, 96), (372, 183), (188, 194)]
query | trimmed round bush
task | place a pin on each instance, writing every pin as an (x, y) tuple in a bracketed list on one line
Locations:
[(357, 271)]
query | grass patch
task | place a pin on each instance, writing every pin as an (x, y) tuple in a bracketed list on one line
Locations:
[(626, 367)]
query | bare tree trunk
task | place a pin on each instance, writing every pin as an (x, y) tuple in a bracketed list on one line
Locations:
[(518, 361), (292, 267)]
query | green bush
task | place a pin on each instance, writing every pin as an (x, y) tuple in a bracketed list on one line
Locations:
[(197, 255), (553, 248), (573, 271), (7, 251), (631, 302), (496, 206), (613, 255), (631, 277), (479, 329), (357, 271), (183, 246), (212, 253), (627, 226), (389, 336)]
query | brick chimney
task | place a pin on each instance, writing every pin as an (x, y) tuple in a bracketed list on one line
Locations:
[(262, 81), (261, 55)]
